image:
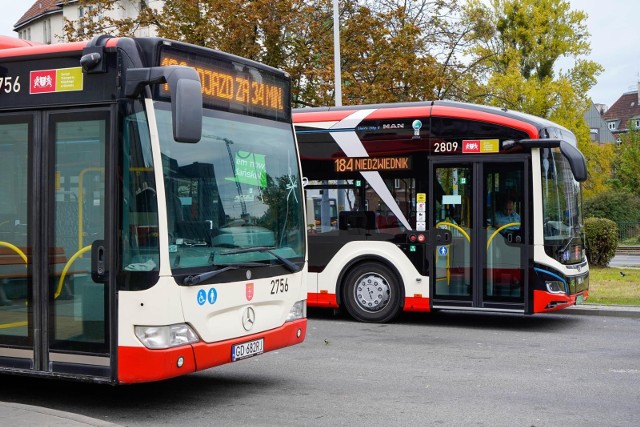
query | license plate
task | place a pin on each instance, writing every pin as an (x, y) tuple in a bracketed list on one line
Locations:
[(247, 349), (579, 299)]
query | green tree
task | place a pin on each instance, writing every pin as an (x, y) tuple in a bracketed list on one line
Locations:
[(99, 17), (602, 240), (617, 206), (519, 44), (600, 161), (392, 50), (627, 162)]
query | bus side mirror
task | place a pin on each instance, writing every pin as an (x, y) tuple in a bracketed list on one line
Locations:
[(186, 96)]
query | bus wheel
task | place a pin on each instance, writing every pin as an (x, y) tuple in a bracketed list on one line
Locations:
[(372, 293)]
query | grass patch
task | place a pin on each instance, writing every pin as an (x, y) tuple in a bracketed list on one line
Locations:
[(608, 286)]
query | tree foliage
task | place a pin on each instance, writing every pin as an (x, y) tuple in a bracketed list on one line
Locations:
[(99, 17), (518, 44), (618, 206), (602, 240), (391, 50), (600, 161), (626, 174)]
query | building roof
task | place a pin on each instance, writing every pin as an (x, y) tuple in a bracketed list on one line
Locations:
[(38, 9), (598, 128), (624, 109)]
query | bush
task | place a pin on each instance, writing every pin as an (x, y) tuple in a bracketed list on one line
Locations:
[(618, 206), (602, 240)]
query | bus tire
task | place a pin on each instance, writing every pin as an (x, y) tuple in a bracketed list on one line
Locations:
[(372, 293)]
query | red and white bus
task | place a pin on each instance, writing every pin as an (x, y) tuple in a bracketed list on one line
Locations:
[(151, 219), (409, 202)]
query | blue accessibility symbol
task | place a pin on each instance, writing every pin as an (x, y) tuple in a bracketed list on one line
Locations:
[(213, 295), (202, 297), (442, 250)]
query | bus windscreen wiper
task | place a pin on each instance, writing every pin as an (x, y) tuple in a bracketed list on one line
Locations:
[(194, 279), (268, 249)]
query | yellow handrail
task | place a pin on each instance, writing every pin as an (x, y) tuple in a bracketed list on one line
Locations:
[(460, 229), (15, 249), (457, 227), (24, 258), (511, 224), (66, 268)]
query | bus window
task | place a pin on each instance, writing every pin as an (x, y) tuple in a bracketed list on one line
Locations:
[(14, 238), (140, 246), (80, 140)]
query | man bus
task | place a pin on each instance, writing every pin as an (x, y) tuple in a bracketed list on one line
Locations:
[(419, 190)]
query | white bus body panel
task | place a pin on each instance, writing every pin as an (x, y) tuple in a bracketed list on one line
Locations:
[(414, 283)]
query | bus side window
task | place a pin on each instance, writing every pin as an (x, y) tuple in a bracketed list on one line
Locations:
[(357, 222)]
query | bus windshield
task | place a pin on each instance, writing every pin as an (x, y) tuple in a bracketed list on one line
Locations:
[(237, 189), (562, 209)]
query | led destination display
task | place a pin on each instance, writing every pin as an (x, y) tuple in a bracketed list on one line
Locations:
[(232, 86), (362, 164)]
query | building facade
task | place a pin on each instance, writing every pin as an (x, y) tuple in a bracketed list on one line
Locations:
[(44, 21), (598, 127), (624, 114)]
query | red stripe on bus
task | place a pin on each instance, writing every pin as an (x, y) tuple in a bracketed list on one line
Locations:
[(322, 300), (43, 49), (416, 304), (544, 301), (210, 355), (470, 114), (322, 116), (139, 364), (415, 112)]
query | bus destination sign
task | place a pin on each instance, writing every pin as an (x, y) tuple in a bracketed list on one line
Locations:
[(364, 164), (232, 86)]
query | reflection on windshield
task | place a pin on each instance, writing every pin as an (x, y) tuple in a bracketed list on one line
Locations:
[(562, 209), (238, 187)]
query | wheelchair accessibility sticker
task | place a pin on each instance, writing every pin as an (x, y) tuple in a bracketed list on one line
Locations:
[(204, 297)]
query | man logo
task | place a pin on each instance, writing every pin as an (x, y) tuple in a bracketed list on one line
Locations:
[(393, 126)]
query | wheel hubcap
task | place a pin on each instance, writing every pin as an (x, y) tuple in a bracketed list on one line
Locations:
[(372, 292)]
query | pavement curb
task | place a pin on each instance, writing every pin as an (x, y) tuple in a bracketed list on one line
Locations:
[(604, 310), (18, 414)]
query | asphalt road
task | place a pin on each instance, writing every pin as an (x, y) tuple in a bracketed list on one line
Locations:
[(447, 368), (625, 261)]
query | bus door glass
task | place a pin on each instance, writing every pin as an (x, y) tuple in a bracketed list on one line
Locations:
[(53, 315), (16, 341), (78, 314), (478, 212), (452, 230), (504, 216)]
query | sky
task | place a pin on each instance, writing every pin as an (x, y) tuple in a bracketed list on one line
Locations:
[(613, 25)]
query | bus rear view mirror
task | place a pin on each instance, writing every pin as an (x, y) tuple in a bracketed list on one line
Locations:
[(185, 91), (576, 160)]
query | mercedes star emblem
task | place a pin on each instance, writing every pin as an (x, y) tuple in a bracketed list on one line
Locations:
[(248, 318)]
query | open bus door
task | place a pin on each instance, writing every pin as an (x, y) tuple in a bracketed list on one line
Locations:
[(478, 260), (55, 298)]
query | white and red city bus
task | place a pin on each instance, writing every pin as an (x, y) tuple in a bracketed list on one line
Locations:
[(151, 218), (408, 201)]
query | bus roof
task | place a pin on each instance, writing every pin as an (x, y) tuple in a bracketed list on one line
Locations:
[(12, 47), (528, 123)]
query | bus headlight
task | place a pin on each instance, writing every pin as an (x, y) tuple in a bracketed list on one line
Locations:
[(159, 337), (298, 311), (555, 286)]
